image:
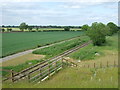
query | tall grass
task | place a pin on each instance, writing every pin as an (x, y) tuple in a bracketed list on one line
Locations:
[(75, 78), (19, 67), (59, 48), (89, 52)]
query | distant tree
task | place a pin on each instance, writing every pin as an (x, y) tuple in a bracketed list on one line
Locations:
[(37, 28), (66, 28), (85, 27), (113, 28), (23, 26), (9, 29), (3, 26), (3, 30), (96, 34), (30, 28)]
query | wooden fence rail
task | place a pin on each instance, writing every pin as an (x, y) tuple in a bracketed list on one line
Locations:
[(40, 72), (101, 64)]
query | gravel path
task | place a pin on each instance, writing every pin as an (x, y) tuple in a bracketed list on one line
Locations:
[(28, 51)]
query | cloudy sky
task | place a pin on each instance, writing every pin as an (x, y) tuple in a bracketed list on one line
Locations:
[(58, 12)]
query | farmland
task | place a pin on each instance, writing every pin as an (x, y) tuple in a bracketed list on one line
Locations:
[(48, 52), (59, 44), (78, 77), (46, 29), (16, 42)]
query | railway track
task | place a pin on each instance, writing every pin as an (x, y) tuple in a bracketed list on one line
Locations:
[(35, 67)]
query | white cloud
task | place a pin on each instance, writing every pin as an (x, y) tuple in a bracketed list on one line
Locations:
[(68, 13)]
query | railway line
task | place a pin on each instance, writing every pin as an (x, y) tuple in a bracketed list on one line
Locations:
[(37, 67)]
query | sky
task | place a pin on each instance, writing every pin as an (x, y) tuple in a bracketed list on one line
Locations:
[(58, 12)]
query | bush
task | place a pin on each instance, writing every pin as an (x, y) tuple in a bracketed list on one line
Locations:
[(3, 30), (97, 34), (85, 27), (113, 28), (67, 29)]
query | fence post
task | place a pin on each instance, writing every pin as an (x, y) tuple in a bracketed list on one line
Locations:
[(62, 62), (56, 66), (28, 77), (101, 65), (40, 73), (88, 65), (114, 63), (94, 65), (107, 63), (49, 71), (12, 75)]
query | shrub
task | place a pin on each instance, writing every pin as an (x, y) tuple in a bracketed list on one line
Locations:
[(113, 28), (96, 33), (85, 27), (67, 29)]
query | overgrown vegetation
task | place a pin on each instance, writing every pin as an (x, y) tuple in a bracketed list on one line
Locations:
[(85, 27), (59, 48), (98, 32), (86, 53), (20, 67), (75, 78), (91, 52)]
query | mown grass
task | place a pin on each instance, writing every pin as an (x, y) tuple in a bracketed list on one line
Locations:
[(89, 52), (59, 48), (75, 78), (20, 41)]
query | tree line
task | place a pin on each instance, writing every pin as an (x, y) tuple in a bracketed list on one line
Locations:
[(23, 26), (98, 31)]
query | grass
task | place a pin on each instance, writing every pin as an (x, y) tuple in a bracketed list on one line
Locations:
[(75, 78), (22, 59), (20, 41), (18, 64), (20, 67), (109, 56), (88, 52), (59, 48)]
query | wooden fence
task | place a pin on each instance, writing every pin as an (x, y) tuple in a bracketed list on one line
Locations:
[(47, 69), (101, 64), (43, 71)]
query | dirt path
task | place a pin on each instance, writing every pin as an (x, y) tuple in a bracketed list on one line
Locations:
[(29, 51)]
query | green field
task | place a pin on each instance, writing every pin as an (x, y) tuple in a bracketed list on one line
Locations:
[(15, 42), (50, 52), (79, 77)]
